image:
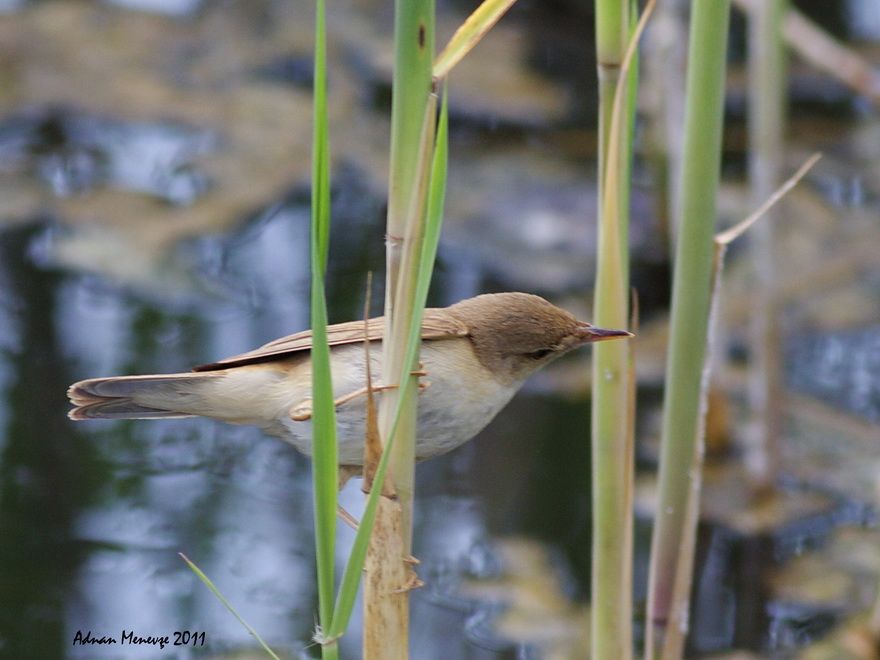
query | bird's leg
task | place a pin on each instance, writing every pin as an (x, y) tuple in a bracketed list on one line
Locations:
[(373, 443), (346, 472), (346, 517), (302, 412)]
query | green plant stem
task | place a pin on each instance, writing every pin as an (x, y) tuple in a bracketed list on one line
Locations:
[(436, 195), (669, 580), (386, 601), (611, 431), (388, 577), (324, 449), (414, 50)]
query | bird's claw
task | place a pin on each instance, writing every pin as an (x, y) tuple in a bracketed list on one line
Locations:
[(346, 517), (302, 412)]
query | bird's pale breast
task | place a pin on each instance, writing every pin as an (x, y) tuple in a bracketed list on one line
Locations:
[(461, 399)]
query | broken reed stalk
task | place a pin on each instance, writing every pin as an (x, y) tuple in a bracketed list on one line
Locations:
[(682, 432), (767, 94), (386, 599)]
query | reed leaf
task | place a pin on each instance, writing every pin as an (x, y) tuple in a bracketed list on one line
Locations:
[(325, 460), (435, 198), (208, 583), (469, 35)]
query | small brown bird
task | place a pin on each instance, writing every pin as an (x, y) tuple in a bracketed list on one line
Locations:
[(476, 353)]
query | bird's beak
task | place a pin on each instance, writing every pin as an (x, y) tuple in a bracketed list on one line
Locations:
[(588, 333)]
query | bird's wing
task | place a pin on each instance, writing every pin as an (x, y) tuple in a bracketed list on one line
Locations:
[(436, 324)]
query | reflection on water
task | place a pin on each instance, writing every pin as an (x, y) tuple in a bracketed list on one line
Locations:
[(840, 368), (168, 7), (47, 472), (94, 514), (106, 507), (73, 153)]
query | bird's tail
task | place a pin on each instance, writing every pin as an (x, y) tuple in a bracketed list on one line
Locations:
[(135, 397)]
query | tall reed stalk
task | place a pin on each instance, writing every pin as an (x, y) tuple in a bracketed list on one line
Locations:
[(612, 387), (682, 431), (324, 448), (419, 147), (386, 586), (767, 94)]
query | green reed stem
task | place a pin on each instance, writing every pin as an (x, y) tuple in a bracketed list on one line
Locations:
[(324, 449), (414, 52), (386, 605), (611, 430), (436, 190), (682, 433)]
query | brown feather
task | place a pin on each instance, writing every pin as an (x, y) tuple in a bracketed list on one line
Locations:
[(121, 409), (113, 397), (436, 324)]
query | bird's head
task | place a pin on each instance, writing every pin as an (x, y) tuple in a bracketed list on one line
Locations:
[(515, 334)]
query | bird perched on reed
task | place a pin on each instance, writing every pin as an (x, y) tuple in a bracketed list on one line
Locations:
[(476, 354)]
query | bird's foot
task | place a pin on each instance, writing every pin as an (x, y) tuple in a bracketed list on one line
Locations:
[(367, 484), (302, 412), (346, 472)]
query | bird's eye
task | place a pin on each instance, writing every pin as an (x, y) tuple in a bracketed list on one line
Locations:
[(540, 353)]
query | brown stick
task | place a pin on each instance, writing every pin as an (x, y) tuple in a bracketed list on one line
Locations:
[(825, 53)]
